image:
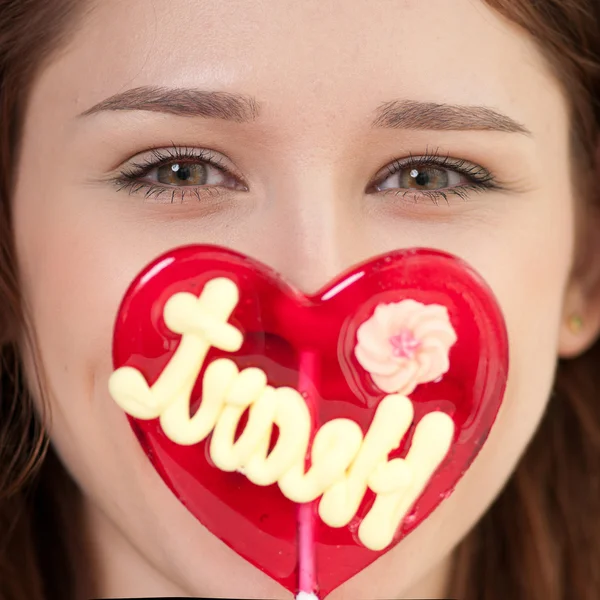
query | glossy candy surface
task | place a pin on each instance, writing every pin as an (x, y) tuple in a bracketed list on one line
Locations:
[(279, 323)]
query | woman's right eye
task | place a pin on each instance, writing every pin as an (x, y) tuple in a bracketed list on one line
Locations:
[(177, 173), (198, 173)]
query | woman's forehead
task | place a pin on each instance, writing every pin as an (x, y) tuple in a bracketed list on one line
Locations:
[(307, 63)]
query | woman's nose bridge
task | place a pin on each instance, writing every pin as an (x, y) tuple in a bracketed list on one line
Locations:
[(314, 237)]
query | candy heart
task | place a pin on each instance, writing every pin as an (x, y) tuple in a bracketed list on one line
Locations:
[(349, 377)]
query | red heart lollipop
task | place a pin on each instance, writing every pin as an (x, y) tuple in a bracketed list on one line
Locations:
[(351, 413)]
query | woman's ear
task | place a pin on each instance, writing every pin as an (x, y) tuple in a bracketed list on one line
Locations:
[(580, 326)]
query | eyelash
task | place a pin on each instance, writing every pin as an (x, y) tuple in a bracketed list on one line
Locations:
[(129, 179), (482, 180)]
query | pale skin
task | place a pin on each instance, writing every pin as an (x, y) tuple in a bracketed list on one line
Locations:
[(299, 198)]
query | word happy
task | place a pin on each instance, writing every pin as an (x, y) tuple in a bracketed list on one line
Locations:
[(345, 463)]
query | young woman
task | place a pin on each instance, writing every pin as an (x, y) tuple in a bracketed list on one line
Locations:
[(310, 135)]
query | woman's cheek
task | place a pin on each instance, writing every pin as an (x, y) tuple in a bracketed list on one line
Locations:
[(529, 276)]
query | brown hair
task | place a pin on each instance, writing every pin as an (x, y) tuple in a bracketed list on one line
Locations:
[(540, 540), (39, 543)]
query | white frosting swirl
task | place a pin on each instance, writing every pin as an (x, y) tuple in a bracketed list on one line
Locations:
[(404, 344)]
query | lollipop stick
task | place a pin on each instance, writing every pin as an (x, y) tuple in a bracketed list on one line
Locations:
[(307, 576)]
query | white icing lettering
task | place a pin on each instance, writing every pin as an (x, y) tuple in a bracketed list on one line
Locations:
[(344, 462)]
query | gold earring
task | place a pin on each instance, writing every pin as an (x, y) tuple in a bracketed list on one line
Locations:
[(575, 323)]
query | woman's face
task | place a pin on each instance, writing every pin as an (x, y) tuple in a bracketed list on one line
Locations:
[(292, 169)]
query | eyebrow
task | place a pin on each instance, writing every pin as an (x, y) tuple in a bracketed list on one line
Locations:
[(182, 102), (408, 114), (397, 114)]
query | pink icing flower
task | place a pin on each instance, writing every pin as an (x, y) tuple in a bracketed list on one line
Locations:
[(405, 344)]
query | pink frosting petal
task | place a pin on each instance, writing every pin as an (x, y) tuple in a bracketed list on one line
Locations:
[(438, 362), (372, 365), (433, 345), (381, 318), (400, 381), (424, 362), (437, 329), (402, 314), (427, 313), (371, 342)]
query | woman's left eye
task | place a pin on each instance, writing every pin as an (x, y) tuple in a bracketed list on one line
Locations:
[(433, 177), (422, 179)]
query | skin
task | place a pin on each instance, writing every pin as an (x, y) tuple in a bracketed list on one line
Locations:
[(320, 70)]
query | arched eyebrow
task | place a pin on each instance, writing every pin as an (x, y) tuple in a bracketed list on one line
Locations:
[(182, 102), (409, 114), (397, 114)]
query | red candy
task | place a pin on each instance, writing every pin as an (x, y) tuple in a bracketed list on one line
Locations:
[(279, 325)]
